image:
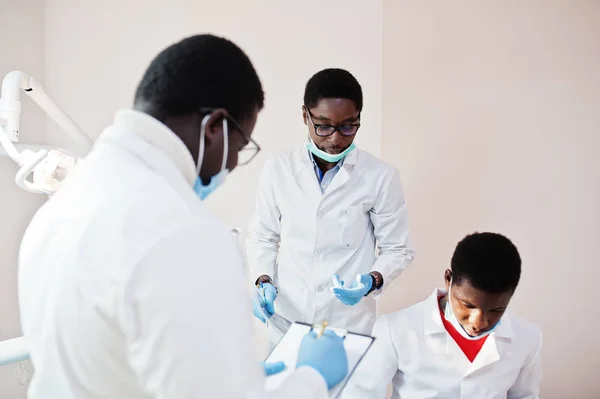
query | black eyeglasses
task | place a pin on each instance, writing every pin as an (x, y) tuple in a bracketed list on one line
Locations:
[(324, 130), (250, 149)]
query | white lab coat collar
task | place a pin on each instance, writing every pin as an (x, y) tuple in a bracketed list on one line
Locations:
[(160, 136), (433, 319), (496, 346), (342, 176)]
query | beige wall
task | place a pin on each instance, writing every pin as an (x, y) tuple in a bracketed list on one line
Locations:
[(96, 52), (491, 112)]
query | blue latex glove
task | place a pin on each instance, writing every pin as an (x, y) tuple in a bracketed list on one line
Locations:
[(353, 294), (266, 302), (327, 355), (273, 368)]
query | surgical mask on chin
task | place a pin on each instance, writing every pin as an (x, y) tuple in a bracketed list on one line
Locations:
[(312, 147), (449, 316), (217, 180)]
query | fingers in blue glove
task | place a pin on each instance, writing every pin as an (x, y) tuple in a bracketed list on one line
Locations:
[(346, 301), (359, 287), (273, 368), (270, 296), (349, 292), (326, 355)]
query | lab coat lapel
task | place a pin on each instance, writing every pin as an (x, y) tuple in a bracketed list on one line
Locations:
[(495, 347), (343, 175), (307, 178), (442, 343)]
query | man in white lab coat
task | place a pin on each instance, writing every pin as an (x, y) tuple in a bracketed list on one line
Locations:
[(321, 209), (128, 286), (460, 342)]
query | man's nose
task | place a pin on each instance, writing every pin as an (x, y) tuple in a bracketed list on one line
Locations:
[(478, 320), (336, 138)]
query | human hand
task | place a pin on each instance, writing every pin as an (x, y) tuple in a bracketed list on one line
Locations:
[(265, 303), (326, 355), (273, 368), (354, 293)]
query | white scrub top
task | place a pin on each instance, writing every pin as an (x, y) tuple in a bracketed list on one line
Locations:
[(414, 351), (117, 284), (301, 236)]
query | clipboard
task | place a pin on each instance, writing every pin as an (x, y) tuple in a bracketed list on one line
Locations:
[(287, 348)]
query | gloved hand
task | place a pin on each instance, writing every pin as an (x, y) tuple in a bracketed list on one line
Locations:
[(273, 368), (327, 355), (265, 302), (353, 294)]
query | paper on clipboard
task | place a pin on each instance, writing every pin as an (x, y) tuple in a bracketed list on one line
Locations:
[(286, 350)]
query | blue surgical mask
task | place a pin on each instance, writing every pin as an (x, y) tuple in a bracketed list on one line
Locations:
[(449, 316), (217, 180), (312, 147)]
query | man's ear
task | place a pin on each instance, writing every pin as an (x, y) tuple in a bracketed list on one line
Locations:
[(214, 127), (304, 115), (448, 278)]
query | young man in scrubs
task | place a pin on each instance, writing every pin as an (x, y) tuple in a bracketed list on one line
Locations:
[(460, 342), (320, 210)]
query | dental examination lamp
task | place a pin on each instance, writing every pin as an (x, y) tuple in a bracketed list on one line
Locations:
[(47, 167)]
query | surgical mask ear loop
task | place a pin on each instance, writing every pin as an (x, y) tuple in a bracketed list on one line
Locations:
[(448, 308), (225, 143), (202, 143), (201, 146)]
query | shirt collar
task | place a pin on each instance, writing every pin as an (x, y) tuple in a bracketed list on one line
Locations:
[(160, 136)]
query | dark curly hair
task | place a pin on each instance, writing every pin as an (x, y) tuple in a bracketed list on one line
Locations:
[(201, 71), (490, 262)]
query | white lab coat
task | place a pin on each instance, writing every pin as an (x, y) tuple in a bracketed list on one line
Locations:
[(301, 237), (130, 288), (413, 349)]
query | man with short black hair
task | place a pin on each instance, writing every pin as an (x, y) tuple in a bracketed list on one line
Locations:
[(320, 210), (460, 342), (116, 271)]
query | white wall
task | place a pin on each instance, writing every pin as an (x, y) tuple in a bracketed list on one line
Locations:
[(491, 112), (21, 48)]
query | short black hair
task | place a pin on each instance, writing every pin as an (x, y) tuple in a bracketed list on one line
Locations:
[(333, 83), (489, 261), (200, 71)]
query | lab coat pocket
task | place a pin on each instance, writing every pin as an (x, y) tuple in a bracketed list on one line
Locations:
[(353, 222)]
